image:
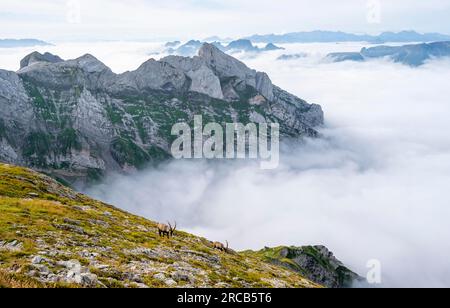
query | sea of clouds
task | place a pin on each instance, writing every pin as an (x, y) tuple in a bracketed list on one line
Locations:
[(375, 186)]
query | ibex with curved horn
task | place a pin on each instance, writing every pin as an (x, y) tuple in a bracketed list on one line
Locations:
[(220, 246), (166, 230)]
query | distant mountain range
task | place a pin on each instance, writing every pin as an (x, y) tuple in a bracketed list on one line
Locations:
[(13, 43), (331, 36), (412, 55), (192, 47)]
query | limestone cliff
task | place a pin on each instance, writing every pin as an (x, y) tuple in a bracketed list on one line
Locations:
[(77, 119)]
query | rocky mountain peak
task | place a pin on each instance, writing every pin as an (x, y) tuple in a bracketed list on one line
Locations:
[(36, 57), (91, 64), (153, 75), (223, 64), (77, 119), (315, 262), (235, 72)]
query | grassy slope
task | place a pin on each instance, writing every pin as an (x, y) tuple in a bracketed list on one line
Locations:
[(50, 220)]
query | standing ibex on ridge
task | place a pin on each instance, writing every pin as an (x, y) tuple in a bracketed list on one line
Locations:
[(168, 230), (220, 246)]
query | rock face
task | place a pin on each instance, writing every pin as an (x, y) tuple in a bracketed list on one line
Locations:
[(77, 119), (315, 262), (36, 57)]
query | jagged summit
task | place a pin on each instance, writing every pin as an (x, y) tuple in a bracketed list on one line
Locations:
[(212, 72), (36, 57), (91, 64), (78, 119)]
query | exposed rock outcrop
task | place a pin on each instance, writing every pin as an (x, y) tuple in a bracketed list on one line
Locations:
[(412, 55), (192, 47), (77, 119), (315, 262), (36, 57)]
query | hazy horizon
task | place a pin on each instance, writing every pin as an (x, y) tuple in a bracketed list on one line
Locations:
[(222, 38)]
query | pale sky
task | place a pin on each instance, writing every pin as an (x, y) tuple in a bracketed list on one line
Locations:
[(185, 19)]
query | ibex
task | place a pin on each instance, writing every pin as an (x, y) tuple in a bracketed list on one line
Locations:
[(220, 246), (168, 230)]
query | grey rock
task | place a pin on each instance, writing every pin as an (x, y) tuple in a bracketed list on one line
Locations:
[(38, 260), (133, 277), (70, 228), (318, 264), (87, 279), (222, 285), (36, 57), (141, 286), (72, 265), (98, 222), (264, 85), (78, 121), (160, 277), (11, 246), (226, 66), (41, 269), (203, 79), (152, 75), (413, 55), (170, 283), (89, 255)]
